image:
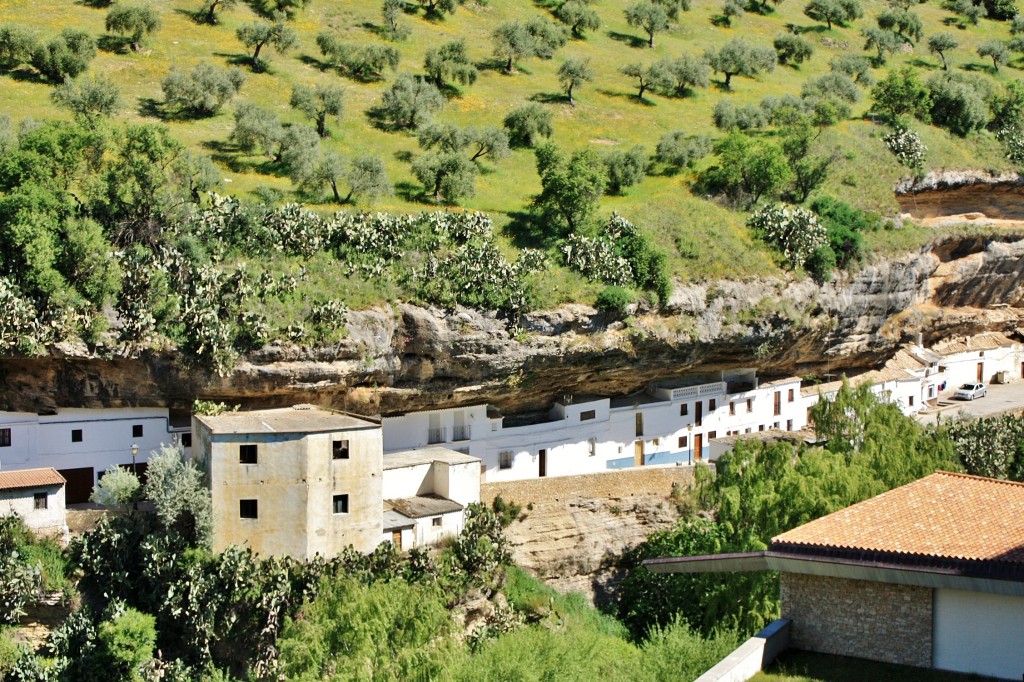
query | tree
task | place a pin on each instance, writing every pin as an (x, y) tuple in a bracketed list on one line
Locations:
[(572, 74), (903, 22), (259, 34), (677, 150), (450, 61), (257, 128), (548, 36), (368, 178), (732, 9), (578, 17), (488, 141), (528, 123), (882, 41), (210, 8), (809, 172), (362, 62), (17, 46), (409, 102), (66, 56), (792, 49), (570, 187), (653, 77), (117, 487), (901, 93), (300, 153), (175, 486), (439, 8), (648, 16), (996, 51), (135, 21), (688, 73), (202, 91), (739, 58), (940, 44), (512, 42), (127, 641), (839, 12), (856, 67), (968, 10), (625, 169), (957, 103), (88, 99), (391, 11), (989, 446), (318, 103), (446, 175), (747, 169)]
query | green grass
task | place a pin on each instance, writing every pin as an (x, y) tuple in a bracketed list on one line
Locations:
[(804, 666), (702, 238)]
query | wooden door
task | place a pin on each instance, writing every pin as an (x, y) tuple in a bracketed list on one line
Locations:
[(543, 463), (778, 403), (981, 372), (638, 453), (396, 539), (698, 414), (79, 486), (698, 447)]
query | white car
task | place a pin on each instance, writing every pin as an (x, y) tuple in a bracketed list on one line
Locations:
[(971, 391)]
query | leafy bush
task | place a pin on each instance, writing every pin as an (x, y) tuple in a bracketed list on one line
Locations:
[(117, 487), (614, 299), (907, 147), (678, 150), (65, 57), (794, 231)]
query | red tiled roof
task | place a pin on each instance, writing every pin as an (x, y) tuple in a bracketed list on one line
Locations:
[(944, 515), (30, 478)]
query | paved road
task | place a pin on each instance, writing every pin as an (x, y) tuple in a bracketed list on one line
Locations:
[(1000, 398)]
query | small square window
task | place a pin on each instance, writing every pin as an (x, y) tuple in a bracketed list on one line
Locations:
[(712, 404), (436, 522), (684, 409), (339, 449), (682, 442), (39, 501), (587, 414), (247, 454), (760, 427), (341, 504), (137, 431), (76, 435), (505, 459), (186, 440), (712, 434), (248, 509), (5, 438)]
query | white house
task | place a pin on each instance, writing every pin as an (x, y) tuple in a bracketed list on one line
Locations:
[(37, 496), (990, 357), (82, 443), (425, 494)]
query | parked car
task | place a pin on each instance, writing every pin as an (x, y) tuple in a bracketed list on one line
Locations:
[(971, 391)]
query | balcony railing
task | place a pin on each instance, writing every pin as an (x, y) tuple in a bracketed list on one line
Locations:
[(438, 435), (716, 388), (461, 433)]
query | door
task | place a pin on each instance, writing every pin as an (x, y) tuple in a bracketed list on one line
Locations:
[(79, 486), (698, 414), (543, 463), (638, 453), (981, 372), (698, 447), (396, 539), (778, 403)]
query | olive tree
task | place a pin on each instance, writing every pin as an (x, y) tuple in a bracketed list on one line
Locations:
[(203, 90), (447, 176), (210, 9), (318, 103), (409, 102), (653, 77), (625, 168), (649, 17), (996, 51), (940, 44), (677, 150), (88, 99), (391, 11), (256, 128), (16, 46), (578, 17), (259, 34), (839, 12), (739, 58), (572, 74), (688, 72), (134, 21), (792, 49), (450, 61), (527, 124), (570, 186), (65, 56)]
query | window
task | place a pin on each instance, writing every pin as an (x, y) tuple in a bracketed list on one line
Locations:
[(5, 438), (247, 509), (639, 424), (39, 501), (76, 435), (339, 449), (792, 394), (750, 405), (592, 446), (789, 424), (746, 430), (186, 440), (436, 522), (247, 454), (682, 442), (684, 409), (712, 434), (505, 459), (341, 504), (656, 442), (761, 427), (732, 409), (136, 430), (911, 401), (712, 404), (587, 414)]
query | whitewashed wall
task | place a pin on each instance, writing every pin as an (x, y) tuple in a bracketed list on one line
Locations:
[(51, 520)]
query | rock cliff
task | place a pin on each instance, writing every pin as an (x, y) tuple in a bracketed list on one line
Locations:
[(407, 358)]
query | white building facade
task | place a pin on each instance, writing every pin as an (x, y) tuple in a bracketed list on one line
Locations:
[(37, 496)]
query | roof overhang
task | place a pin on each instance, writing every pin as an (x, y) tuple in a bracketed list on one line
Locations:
[(831, 567)]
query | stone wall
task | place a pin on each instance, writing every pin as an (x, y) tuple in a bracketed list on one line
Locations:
[(877, 621), (612, 485)]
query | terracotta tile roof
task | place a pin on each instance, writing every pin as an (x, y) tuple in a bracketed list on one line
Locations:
[(30, 478), (905, 360), (983, 341), (944, 515)]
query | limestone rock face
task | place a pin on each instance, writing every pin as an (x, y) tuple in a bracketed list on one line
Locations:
[(404, 358)]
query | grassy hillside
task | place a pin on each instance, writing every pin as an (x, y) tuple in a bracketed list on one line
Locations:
[(607, 115)]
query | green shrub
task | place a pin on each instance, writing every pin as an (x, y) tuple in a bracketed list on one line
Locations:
[(614, 299)]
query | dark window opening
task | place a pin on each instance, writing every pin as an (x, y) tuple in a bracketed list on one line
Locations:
[(136, 430), (186, 440), (713, 434), (5, 438), (750, 404), (247, 454), (248, 509), (341, 504), (588, 414), (39, 501), (792, 395), (712, 404), (684, 409), (732, 409), (682, 442), (76, 435), (436, 522), (505, 460), (339, 449)]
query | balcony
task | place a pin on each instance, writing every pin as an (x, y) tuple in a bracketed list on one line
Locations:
[(461, 433), (438, 435)]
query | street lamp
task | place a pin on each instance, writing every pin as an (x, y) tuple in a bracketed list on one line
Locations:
[(689, 441), (135, 451)]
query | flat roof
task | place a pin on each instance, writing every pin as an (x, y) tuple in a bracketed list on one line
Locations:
[(769, 436), (427, 455), (295, 419), (422, 506), (395, 521), (30, 478)]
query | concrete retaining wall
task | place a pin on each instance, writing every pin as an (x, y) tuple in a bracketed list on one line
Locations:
[(752, 656), (611, 485)]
